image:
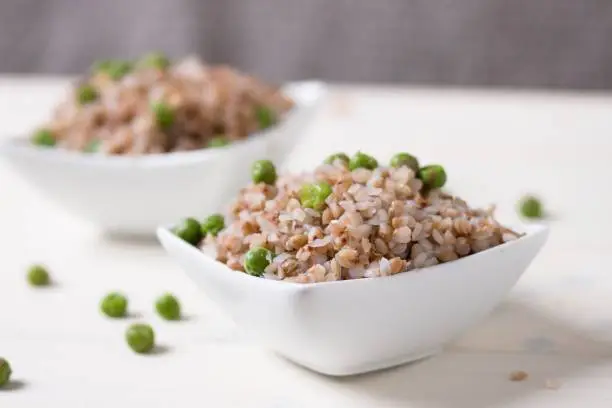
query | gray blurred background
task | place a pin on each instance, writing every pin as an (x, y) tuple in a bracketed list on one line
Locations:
[(501, 43)]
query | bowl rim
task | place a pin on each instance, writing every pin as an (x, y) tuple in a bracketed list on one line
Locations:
[(530, 231), (20, 145)]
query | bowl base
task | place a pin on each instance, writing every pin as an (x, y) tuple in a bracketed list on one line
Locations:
[(363, 368)]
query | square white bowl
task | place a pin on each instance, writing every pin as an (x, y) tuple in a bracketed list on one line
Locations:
[(133, 195), (355, 326)]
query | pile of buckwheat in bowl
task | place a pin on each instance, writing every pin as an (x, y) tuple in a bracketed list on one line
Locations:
[(348, 219), (154, 105)]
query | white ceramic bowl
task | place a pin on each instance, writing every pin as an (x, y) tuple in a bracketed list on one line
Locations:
[(356, 326), (134, 195)]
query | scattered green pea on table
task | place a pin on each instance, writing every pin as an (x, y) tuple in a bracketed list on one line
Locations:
[(531, 207), (114, 305), (5, 372), (257, 260), (140, 337), (168, 307), (263, 171), (362, 160), (38, 276)]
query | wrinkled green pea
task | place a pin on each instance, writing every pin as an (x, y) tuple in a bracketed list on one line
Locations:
[(362, 160), (314, 195), (263, 171), (257, 260), (433, 176)]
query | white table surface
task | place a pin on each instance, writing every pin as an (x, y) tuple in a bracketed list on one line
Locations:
[(556, 324)]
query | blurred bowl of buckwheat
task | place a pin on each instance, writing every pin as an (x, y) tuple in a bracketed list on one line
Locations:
[(137, 143)]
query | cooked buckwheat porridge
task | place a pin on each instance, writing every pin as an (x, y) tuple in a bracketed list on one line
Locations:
[(348, 219), (154, 105)]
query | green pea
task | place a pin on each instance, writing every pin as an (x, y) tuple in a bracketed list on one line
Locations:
[(86, 94), (5, 372), (433, 176), (189, 230), (263, 171), (114, 305), (168, 307), (101, 65), (362, 160), (164, 115), (38, 276), (314, 195), (43, 137), (120, 71), (155, 60), (531, 207), (140, 337), (265, 117), (337, 157), (213, 224), (93, 146), (405, 159), (116, 69), (256, 260), (218, 141)]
